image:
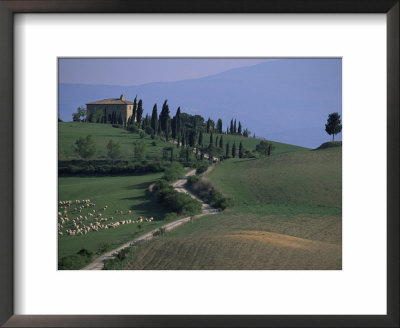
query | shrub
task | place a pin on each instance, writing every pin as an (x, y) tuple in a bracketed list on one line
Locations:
[(76, 261), (201, 168), (208, 193), (174, 172), (117, 126), (171, 216), (193, 179), (103, 247), (120, 260), (149, 130), (72, 262), (84, 252), (159, 232), (175, 201), (122, 254), (133, 128)]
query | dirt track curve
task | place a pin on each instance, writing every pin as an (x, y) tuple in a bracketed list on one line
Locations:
[(179, 185)]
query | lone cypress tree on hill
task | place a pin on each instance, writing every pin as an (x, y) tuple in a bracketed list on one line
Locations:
[(333, 125)]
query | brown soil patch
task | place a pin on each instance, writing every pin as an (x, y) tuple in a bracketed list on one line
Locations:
[(280, 240)]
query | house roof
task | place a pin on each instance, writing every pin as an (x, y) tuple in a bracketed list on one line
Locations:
[(112, 101)]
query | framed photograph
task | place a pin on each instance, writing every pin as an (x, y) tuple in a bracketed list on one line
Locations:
[(185, 164)]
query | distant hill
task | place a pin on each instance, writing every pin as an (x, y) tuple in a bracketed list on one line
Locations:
[(282, 100)]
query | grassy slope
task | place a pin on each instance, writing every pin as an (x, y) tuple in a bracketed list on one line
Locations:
[(69, 132), (122, 193), (306, 181), (288, 216)]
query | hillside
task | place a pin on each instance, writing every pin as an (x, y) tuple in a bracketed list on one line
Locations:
[(287, 216), (282, 100), (68, 133), (250, 143)]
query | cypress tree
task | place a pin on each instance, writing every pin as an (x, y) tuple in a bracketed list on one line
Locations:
[(234, 150), (240, 128), (216, 142), (208, 125), (168, 129), (120, 118), (159, 129), (240, 150), (227, 150), (134, 109), (164, 116), (183, 138), (139, 112), (231, 129), (173, 128), (234, 127), (192, 138), (219, 126), (187, 154), (201, 138), (211, 139), (178, 121), (154, 120), (221, 144)]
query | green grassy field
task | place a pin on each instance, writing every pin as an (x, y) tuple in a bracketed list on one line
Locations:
[(303, 180), (69, 132), (287, 216), (118, 193), (287, 212)]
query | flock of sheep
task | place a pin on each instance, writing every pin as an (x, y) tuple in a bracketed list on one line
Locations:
[(80, 224)]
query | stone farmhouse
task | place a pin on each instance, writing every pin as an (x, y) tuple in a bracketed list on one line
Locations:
[(108, 110)]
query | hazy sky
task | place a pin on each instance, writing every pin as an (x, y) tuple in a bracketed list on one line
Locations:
[(128, 71)]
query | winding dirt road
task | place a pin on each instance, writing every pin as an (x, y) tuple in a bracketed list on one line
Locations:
[(179, 185)]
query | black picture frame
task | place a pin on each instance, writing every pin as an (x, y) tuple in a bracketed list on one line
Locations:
[(10, 7)]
